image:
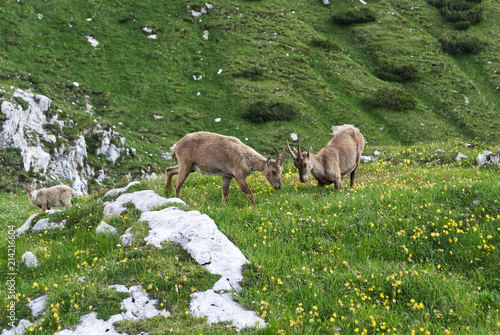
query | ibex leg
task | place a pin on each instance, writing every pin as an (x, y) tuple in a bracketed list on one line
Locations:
[(353, 176), (226, 182), (171, 171), (181, 178), (242, 182)]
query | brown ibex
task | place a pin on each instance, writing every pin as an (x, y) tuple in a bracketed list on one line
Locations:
[(215, 154), (54, 196), (336, 160)]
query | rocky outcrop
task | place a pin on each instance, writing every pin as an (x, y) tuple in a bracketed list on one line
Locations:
[(32, 126), (38, 130)]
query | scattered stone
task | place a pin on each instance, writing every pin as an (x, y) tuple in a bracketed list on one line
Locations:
[(205, 34), (294, 137), (21, 230), (20, 329), (489, 158), (45, 224), (92, 41), (138, 306), (29, 259), (105, 228), (109, 149), (143, 201), (221, 307), (460, 156), (127, 238), (38, 305), (116, 191), (166, 156)]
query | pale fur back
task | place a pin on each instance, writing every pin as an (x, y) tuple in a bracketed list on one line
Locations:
[(54, 196)]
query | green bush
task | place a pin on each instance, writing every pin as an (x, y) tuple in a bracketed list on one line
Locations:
[(325, 44), (451, 4), (457, 45), (392, 98), (263, 111), (351, 16), (473, 16), (395, 72), (462, 25)]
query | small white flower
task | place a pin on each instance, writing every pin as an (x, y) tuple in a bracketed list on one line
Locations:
[(218, 119)]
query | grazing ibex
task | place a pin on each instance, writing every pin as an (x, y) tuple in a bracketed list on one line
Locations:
[(54, 196), (336, 160), (216, 154)]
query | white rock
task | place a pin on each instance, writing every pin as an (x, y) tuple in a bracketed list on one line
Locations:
[(199, 235), (29, 259), (205, 34), (21, 327), (110, 150), (38, 305), (166, 156), (45, 224), (219, 72), (294, 137), (221, 308), (92, 41), (138, 306), (116, 191), (147, 30), (218, 119), (153, 37), (460, 156), (127, 238), (367, 159), (143, 201), (105, 228), (488, 157), (24, 129), (21, 230)]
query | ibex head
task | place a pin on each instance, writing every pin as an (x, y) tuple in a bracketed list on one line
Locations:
[(302, 161), (274, 168)]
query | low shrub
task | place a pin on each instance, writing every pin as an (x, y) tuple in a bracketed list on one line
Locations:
[(263, 111), (355, 15), (473, 16), (451, 4), (392, 98), (457, 45), (324, 44), (463, 25), (395, 72)]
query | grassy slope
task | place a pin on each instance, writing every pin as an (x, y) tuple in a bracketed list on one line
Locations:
[(130, 78), (414, 246)]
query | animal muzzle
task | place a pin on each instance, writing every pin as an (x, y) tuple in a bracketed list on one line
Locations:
[(303, 179), (277, 187)]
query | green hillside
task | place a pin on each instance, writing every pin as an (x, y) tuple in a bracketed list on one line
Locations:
[(296, 57)]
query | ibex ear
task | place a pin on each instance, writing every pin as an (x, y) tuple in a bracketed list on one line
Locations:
[(268, 160), (310, 150)]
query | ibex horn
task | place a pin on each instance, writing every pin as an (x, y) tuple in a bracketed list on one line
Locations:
[(291, 152), (277, 152)]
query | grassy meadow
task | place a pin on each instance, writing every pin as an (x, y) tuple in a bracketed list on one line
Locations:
[(412, 248)]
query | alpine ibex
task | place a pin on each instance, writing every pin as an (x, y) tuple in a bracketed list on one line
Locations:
[(215, 154), (336, 160), (54, 196)]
